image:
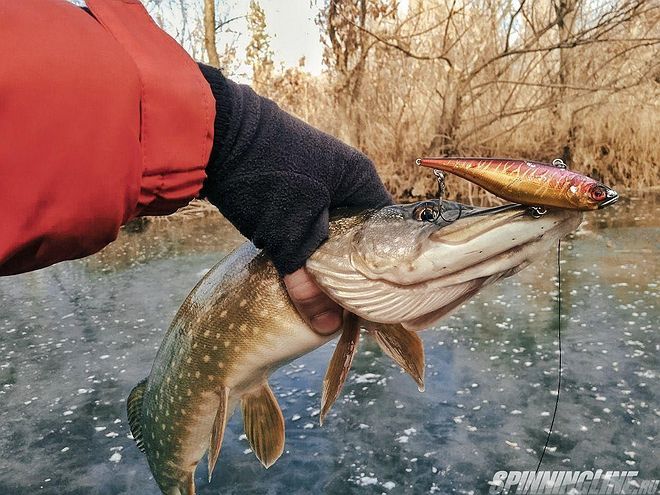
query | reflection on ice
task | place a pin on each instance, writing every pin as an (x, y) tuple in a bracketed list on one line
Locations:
[(76, 337)]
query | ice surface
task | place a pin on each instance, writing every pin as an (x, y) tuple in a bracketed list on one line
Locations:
[(76, 337)]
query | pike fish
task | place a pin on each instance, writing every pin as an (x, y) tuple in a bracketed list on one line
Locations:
[(393, 271), (529, 183)]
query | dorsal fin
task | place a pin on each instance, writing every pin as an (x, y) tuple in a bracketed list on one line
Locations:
[(218, 430), (340, 363), (134, 411), (264, 424), (403, 346)]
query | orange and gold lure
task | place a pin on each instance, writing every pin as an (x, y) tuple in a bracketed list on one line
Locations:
[(529, 183)]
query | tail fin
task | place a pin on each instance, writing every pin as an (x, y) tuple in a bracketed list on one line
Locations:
[(134, 410)]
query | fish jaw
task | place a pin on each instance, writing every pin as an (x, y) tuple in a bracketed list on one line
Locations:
[(427, 267), (482, 247)]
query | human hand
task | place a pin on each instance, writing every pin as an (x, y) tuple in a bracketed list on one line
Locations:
[(276, 178), (321, 313)]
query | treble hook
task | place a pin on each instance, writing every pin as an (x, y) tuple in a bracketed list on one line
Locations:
[(442, 187), (440, 178), (537, 211), (559, 163)]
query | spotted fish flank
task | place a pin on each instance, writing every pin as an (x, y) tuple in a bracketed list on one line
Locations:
[(391, 271)]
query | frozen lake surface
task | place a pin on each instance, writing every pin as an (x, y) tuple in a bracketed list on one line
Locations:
[(76, 337)]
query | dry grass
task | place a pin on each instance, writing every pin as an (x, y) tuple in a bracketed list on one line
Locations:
[(616, 141), (576, 79), (595, 104)]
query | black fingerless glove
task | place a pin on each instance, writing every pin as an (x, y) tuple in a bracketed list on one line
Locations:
[(275, 177)]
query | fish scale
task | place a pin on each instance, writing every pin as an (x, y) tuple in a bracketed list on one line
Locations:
[(238, 325), (217, 340)]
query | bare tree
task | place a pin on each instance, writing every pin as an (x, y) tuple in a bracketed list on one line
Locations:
[(209, 33), (258, 53), (538, 79), (348, 48), (470, 75)]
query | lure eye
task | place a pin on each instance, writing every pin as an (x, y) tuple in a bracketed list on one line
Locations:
[(426, 212), (598, 193)]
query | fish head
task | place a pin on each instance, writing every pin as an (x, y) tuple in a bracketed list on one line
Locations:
[(410, 264)]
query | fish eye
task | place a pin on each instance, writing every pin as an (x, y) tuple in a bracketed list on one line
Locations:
[(598, 193), (426, 212)]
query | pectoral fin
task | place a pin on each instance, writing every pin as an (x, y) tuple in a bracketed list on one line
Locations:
[(264, 424), (403, 346), (218, 430), (340, 363)]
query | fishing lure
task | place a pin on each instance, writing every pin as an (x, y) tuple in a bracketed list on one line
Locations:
[(529, 183)]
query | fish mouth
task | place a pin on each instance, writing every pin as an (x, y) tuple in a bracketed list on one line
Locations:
[(612, 197), (420, 272), (446, 253), (463, 284)]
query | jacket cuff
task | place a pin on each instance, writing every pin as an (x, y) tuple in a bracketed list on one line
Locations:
[(223, 112)]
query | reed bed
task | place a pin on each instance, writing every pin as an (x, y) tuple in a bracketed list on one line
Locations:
[(571, 79)]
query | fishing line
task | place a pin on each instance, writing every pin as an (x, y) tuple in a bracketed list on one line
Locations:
[(554, 414)]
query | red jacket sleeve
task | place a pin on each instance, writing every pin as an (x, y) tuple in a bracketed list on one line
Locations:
[(102, 118)]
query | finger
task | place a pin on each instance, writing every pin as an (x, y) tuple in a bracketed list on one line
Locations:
[(322, 314)]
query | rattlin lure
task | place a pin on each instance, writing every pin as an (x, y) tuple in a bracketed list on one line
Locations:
[(529, 183)]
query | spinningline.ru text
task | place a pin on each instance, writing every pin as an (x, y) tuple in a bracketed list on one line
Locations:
[(596, 482)]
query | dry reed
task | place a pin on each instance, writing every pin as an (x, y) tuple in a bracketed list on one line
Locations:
[(576, 79), (591, 99)]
